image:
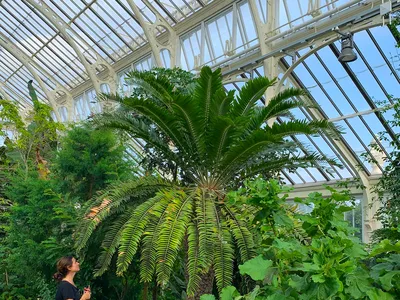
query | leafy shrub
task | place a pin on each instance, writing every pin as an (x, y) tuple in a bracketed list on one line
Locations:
[(311, 256)]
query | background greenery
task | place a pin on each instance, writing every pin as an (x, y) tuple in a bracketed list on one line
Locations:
[(57, 181)]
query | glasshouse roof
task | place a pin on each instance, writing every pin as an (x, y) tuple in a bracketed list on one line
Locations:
[(74, 49)]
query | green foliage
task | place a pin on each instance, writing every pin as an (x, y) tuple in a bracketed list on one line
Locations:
[(39, 231), (38, 215), (387, 190), (206, 140), (10, 118), (326, 262), (88, 160), (393, 28), (30, 143)]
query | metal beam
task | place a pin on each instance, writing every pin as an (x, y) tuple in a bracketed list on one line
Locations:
[(270, 65), (313, 33), (369, 209), (208, 12), (303, 190), (31, 65), (150, 30), (108, 76), (21, 102)]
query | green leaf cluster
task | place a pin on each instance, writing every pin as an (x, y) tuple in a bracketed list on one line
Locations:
[(313, 256)]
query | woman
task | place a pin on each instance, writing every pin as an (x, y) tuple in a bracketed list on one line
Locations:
[(67, 267)]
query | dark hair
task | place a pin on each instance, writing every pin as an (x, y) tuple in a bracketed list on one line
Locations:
[(62, 267)]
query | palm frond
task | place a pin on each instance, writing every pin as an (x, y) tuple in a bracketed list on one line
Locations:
[(166, 122), (133, 231), (185, 108), (159, 87), (287, 94), (136, 128), (296, 127), (207, 86), (194, 262), (245, 149), (223, 101), (223, 254), (205, 221), (172, 232), (273, 110), (104, 204), (242, 235), (220, 138), (111, 242), (252, 91), (148, 260)]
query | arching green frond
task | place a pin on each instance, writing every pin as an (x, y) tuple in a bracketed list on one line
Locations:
[(133, 231), (135, 127), (207, 85), (223, 101), (252, 91), (166, 122), (148, 260), (242, 235), (245, 149), (172, 232), (291, 162), (287, 94), (111, 97), (205, 222), (194, 262), (273, 110), (159, 87), (223, 253), (220, 138), (186, 108), (103, 205), (295, 127), (111, 242)]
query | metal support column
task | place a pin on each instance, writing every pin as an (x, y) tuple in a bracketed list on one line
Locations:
[(150, 30), (263, 30)]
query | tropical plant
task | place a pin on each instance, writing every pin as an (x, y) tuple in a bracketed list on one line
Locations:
[(311, 256), (214, 139), (35, 138), (88, 160), (387, 190)]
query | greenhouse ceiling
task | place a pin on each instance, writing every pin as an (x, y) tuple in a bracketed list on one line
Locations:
[(75, 49)]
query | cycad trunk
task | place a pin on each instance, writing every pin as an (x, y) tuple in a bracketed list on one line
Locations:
[(206, 285)]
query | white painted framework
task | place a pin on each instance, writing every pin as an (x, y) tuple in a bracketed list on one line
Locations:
[(208, 32)]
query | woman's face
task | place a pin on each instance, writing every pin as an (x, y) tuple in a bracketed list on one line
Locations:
[(75, 266)]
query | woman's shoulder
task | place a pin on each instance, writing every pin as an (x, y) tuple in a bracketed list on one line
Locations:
[(64, 283)]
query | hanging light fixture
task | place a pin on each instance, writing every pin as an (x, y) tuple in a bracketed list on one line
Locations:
[(347, 54)]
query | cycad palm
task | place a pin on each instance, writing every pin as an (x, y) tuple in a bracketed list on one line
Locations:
[(216, 138)]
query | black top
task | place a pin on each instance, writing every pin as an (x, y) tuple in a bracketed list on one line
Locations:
[(67, 290)]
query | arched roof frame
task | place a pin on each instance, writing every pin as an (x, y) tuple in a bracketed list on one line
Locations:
[(99, 71), (31, 65)]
